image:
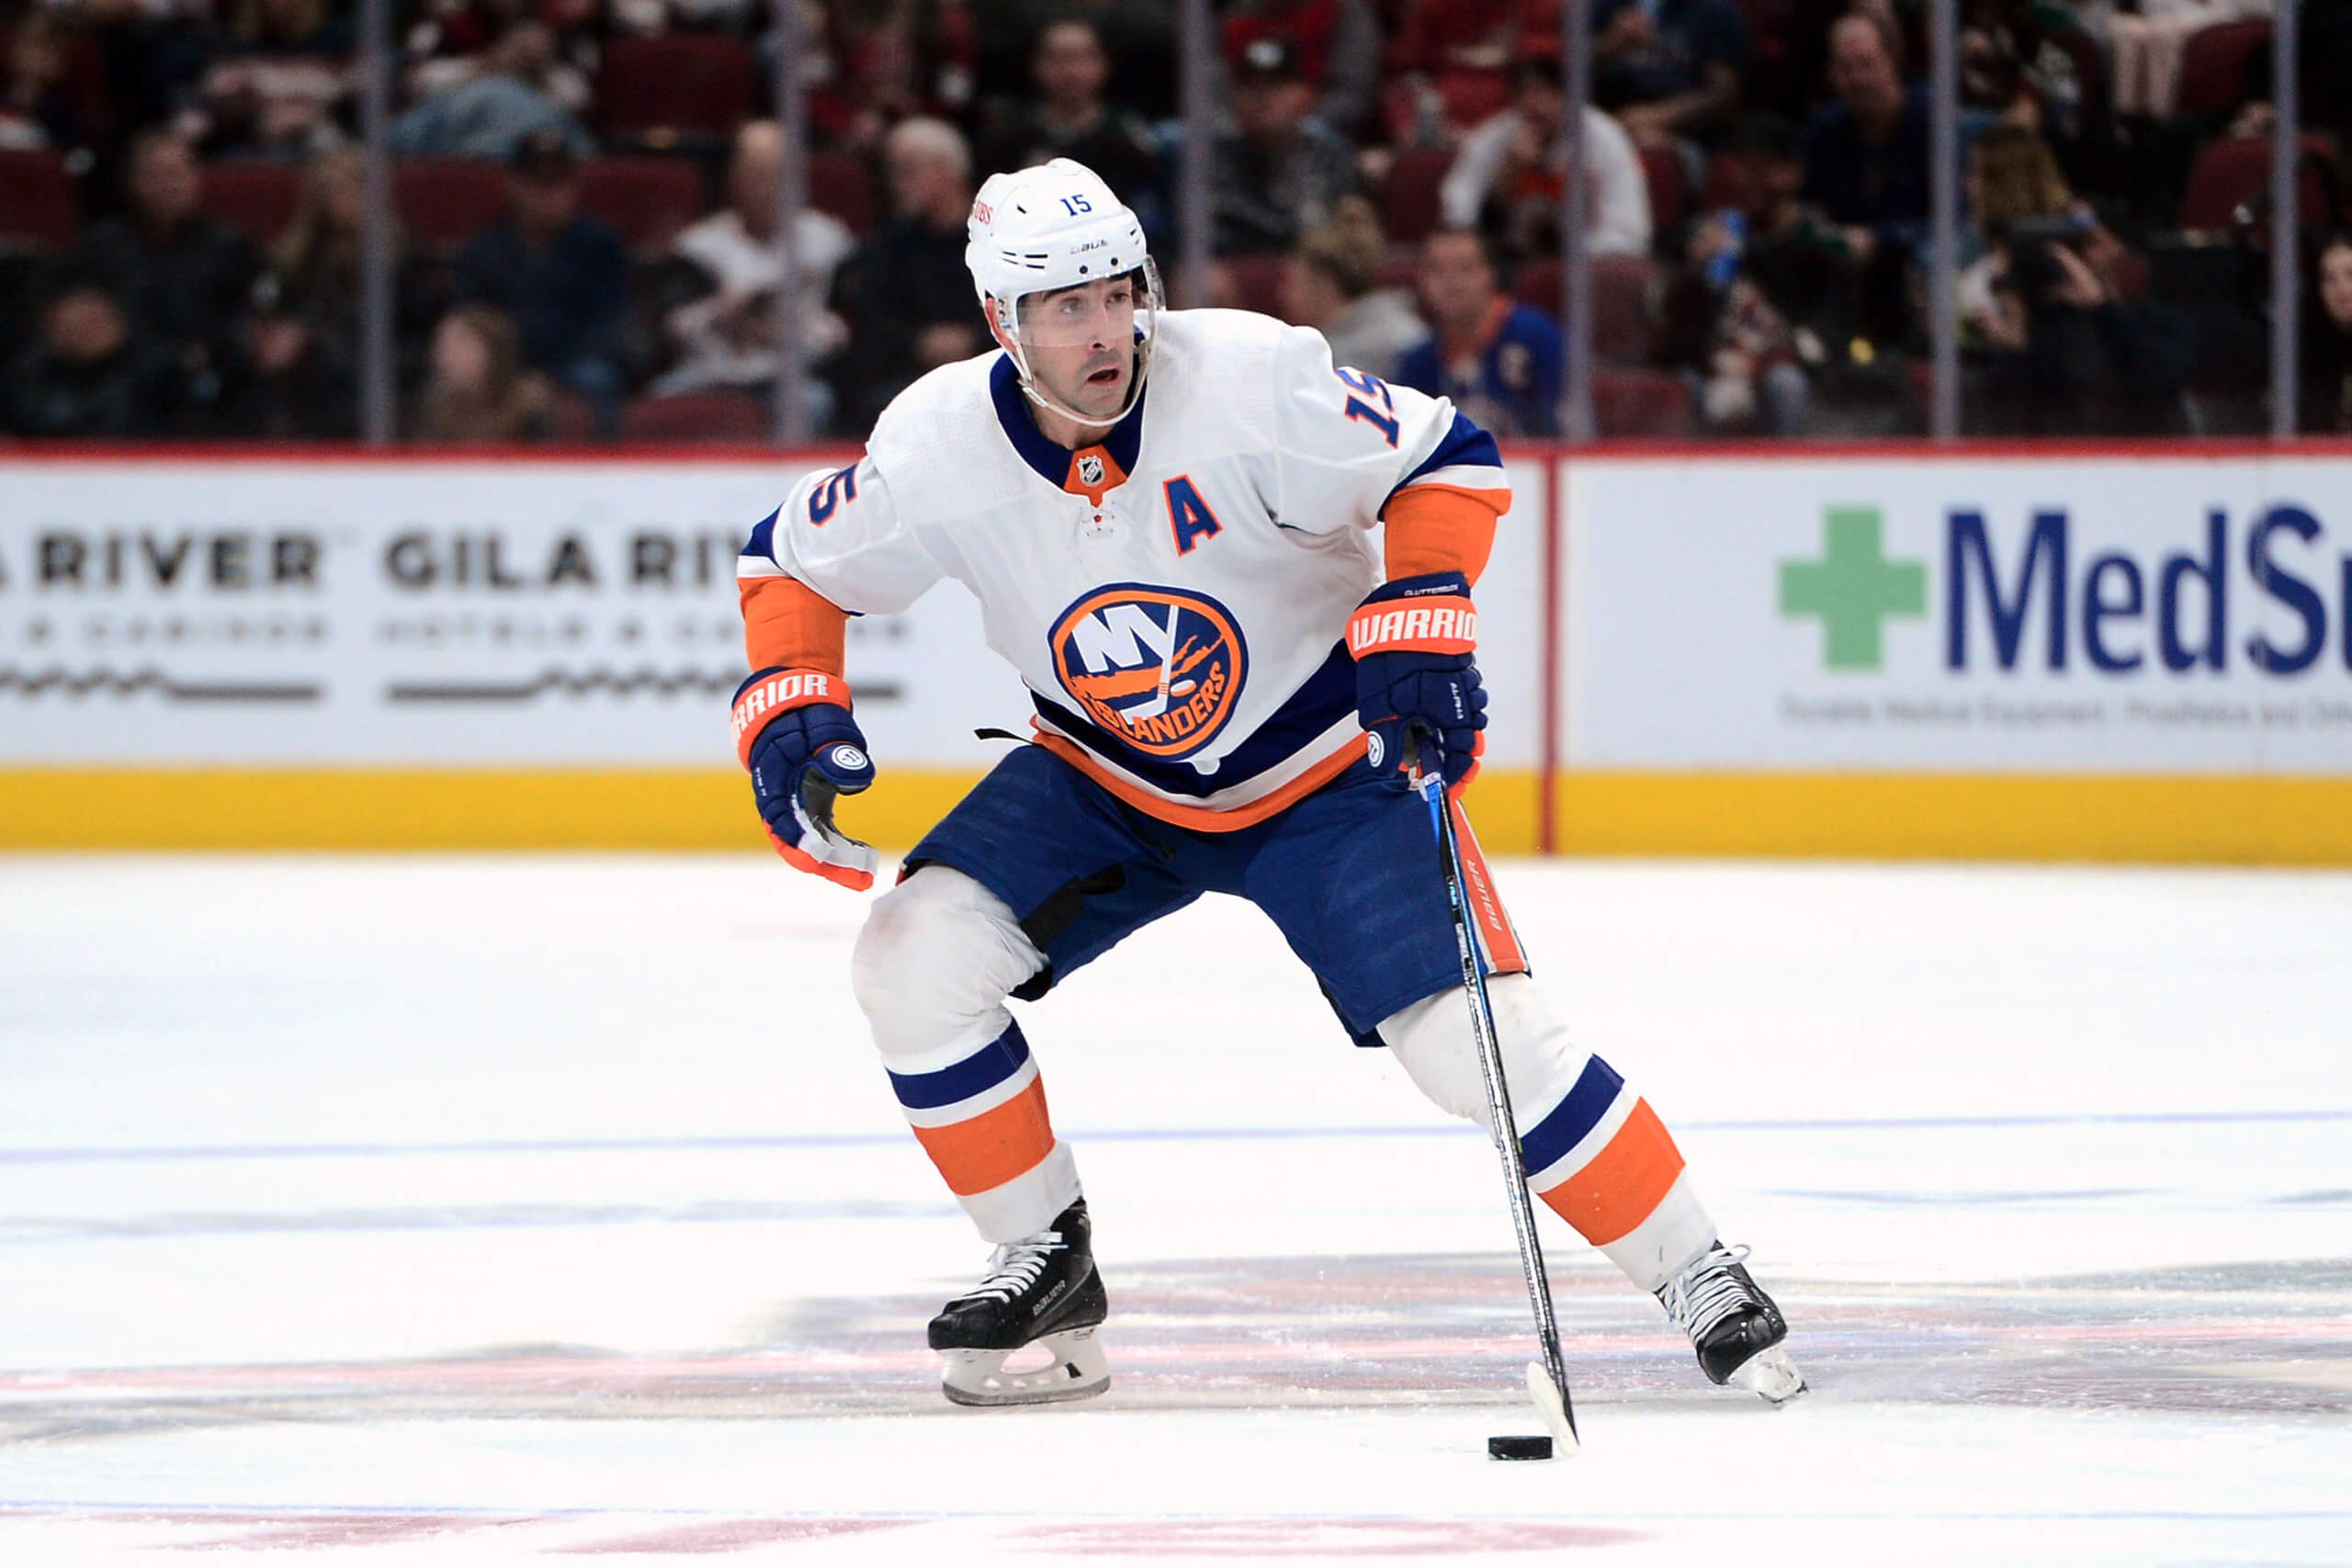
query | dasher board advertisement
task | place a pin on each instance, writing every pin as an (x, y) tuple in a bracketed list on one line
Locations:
[(2105, 615)]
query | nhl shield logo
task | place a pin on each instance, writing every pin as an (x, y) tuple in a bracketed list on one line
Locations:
[(1089, 470), (1160, 668)]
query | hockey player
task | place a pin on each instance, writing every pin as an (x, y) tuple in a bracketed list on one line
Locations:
[(1165, 519)]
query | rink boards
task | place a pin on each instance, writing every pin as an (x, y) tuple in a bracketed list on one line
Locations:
[(2106, 653)]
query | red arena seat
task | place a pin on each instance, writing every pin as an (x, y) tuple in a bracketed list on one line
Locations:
[(1409, 199), (714, 418), (2235, 170), (1662, 172), (837, 184), (36, 202), (2214, 63), (1624, 327), (1640, 405), (1251, 283), (649, 199), (445, 202), (658, 91), (259, 197)]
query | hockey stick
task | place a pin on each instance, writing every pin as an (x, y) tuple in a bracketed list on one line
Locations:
[(1547, 1381)]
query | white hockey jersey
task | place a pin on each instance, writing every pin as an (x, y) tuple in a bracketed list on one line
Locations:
[(1175, 598)]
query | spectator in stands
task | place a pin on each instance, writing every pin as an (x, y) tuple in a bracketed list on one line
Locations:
[(450, 46), (86, 374), (480, 389), (1332, 283), (274, 90), (1866, 153), (1668, 69), (1336, 44), (1501, 362), (1510, 174), (310, 299), (2147, 43), (1071, 118), (506, 101), (1866, 166), (2069, 350), (1280, 169), (183, 277), (2012, 184), (1467, 35), (2327, 343), (905, 293), (561, 275), (733, 263), (1766, 306), (299, 384), (870, 66), (36, 105), (1139, 35)]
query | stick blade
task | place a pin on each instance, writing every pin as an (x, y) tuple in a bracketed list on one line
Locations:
[(1553, 1408)]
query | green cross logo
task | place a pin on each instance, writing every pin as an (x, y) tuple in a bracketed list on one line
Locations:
[(1853, 588)]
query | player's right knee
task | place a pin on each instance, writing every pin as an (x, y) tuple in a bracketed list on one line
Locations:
[(937, 957)]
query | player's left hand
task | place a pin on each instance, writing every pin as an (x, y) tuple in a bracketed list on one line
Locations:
[(795, 734), (1414, 641)]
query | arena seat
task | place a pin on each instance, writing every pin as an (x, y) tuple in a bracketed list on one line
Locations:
[(256, 196), (2231, 171), (647, 198), (1252, 283), (2213, 65), (1640, 404), (1624, 327), (1408, 207), (36, 202), (674, 89), (1662, 172), (443, 202), (716, 418), (837, 184)]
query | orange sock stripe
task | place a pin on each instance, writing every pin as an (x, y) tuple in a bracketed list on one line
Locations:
[(994, 1146), (1623, 1184)]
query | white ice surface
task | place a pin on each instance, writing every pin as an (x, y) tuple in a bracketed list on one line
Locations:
[(466, 1211)]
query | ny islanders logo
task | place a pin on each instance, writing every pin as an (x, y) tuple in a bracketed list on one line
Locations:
[(1159, 668)]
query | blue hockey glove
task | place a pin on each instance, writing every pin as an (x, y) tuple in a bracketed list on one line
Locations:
[(1413, 641), (794, 732)]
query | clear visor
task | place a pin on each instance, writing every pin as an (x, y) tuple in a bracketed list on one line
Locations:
[(1105, 314)]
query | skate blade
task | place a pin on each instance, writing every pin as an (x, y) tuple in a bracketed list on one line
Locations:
[(1770, 1373), (1555, 1411), (1078, 1370)]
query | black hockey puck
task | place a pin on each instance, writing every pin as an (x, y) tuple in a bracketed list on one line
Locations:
[(1519, 1448)]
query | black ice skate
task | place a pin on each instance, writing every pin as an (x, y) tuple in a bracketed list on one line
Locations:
[(1734, 1325), (1042, 1290)]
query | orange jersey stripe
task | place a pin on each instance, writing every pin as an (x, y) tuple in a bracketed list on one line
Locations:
[(1439, 528), (1201, 817), (994, 1146), (788, 625), (1623, 1184)]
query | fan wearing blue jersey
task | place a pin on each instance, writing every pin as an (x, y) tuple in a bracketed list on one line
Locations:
[(1168, 519)]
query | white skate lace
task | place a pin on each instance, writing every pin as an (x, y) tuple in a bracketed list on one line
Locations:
[(1014, 1267), (1707, 1292)]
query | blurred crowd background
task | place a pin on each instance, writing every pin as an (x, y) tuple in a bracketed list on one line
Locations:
[(587, 239)]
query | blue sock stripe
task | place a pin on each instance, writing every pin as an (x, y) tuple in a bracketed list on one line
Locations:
[(1595, 1091), (975, 1074)]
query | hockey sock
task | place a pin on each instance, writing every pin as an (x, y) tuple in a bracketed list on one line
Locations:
[(982, 1120)]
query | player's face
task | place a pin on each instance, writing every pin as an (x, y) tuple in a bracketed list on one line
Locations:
[(1081, 344)]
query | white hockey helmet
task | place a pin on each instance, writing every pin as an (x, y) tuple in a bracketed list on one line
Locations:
[(1052, 226)]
